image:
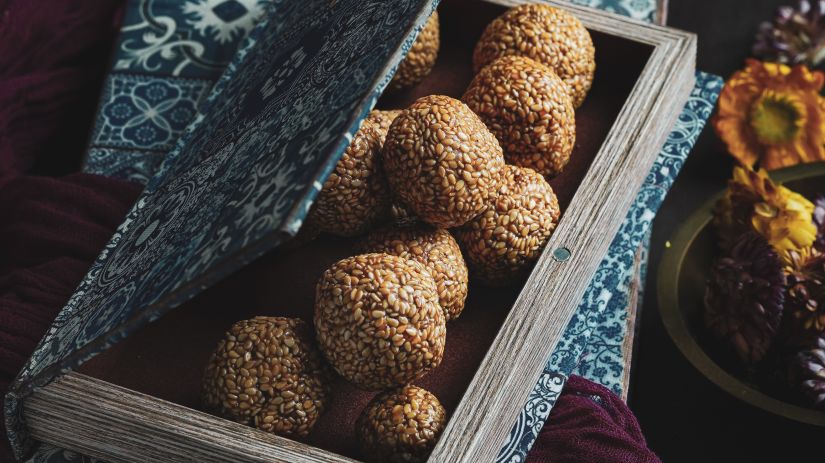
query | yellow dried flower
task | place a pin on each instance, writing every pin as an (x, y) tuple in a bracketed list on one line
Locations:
[(773, 114), (753, 201)]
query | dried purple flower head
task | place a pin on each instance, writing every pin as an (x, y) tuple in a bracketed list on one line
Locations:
[(806, 373), (819, 221), (744, 297), (796, 35), (805, 298)]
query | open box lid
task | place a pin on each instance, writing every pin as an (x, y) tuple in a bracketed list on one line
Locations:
[(240, 179)]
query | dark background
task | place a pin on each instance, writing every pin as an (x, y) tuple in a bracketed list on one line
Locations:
[(685, 417)]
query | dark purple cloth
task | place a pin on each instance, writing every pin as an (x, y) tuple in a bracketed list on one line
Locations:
[(53, 57), (590, 424), (52, 229)]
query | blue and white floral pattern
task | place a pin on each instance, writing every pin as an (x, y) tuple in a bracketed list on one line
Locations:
[(134, 165), (644, 10), (189, 38), (608, 288), (146, 113), (257, 153), (169, 55)]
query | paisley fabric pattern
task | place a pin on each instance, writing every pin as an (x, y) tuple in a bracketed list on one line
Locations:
[(606, 296), (257, 153)]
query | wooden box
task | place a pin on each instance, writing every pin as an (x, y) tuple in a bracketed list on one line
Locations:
[(137, 401)]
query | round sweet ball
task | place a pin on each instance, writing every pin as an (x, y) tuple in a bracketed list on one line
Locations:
[(378, 321), (355, 196), (400, 425), (296, 403), (526, 106), (383, 119), (441, 161), (504, 241), (421, 58), (435, 249), (252, 370), (546, 34)]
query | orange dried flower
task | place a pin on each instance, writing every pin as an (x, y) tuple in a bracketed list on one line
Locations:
[(754, 202), (773, 114)]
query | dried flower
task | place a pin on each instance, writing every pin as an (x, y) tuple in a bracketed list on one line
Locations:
[(754, 202), (807, 373), (796, 36), (744, 297), (819, 222), (772, 114), (805, 297)]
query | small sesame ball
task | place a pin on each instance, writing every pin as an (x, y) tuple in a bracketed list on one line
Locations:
[(441, 161), (420, 59), (295, 404), (378, 321), (526, 106), (504, 241), (255, 355), (355, 196), (383, 119), (548, 35), (400, 426), (435, 249)]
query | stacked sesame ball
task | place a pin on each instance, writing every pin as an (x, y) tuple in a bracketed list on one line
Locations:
[(449, 179)]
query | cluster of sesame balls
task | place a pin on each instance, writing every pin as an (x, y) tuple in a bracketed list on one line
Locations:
[(449, 179)]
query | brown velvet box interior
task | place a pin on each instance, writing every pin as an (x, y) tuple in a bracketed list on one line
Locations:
[(166, 359)]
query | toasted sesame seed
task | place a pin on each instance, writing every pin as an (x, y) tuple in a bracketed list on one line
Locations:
[(527, 210), (245, 391), (421, 58), (546, 34), (542, 108), (355, 195), (425, 180), (435, 249), (401, 425), (374, 361)]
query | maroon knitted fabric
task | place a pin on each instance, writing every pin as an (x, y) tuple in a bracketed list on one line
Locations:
[(53, 57), (590, 424)]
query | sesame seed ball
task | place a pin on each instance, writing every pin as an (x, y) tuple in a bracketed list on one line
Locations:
[(441, 161), (526, 105), (251, 358), (295, 404), (378, 321), (383, 119), (400, 425), (435, 249), (546, 34), (421, 57), (504, 241), (355, 195)]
